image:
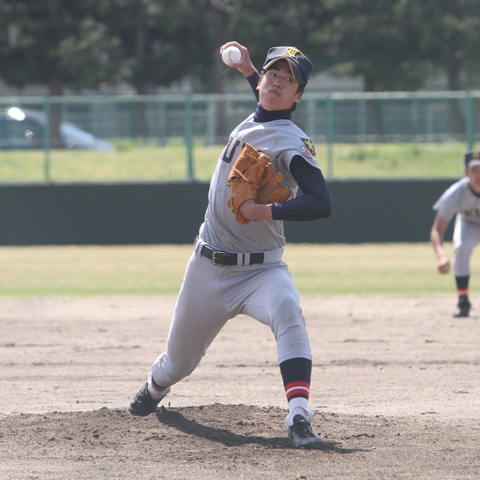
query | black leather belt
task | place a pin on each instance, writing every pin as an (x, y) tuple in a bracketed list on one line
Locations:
[(222, 259)]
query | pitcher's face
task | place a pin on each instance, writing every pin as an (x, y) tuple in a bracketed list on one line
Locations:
[(277, 88)]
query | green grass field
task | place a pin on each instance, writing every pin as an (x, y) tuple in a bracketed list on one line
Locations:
[(158, 270), (131, 162)]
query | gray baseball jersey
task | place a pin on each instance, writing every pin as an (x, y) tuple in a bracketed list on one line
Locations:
[(210, 294), (459, 198), (281, 140)]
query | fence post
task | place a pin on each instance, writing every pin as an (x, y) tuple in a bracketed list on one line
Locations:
[(189, 137), (329, 136), (211, 123), (46, 139), (469, 120), (311, 119)]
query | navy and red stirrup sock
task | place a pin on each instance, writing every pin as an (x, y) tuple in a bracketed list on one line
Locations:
[(296, 374), (462, 286)]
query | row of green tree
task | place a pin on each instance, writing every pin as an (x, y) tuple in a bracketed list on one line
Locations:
[(390, 44)]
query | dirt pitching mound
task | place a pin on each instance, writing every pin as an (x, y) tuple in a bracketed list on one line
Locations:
[(395, 390)]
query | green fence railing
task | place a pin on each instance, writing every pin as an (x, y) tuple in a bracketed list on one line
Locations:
[(94, 123)]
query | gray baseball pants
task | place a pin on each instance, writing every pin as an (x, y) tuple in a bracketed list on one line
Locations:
[(211, 295)]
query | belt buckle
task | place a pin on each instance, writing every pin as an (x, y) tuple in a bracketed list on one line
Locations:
[(217, 255)]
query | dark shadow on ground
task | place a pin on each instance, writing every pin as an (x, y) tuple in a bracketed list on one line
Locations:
[(226, 437)]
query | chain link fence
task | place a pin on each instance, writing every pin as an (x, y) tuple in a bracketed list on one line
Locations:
[(99, 129)]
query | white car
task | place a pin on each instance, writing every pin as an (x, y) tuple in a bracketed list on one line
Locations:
[(24, 129)]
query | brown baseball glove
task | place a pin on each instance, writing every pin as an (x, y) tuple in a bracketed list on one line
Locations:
[(271, 189), (245, 177)]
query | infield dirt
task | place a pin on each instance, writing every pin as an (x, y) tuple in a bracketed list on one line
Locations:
[(395, 388)]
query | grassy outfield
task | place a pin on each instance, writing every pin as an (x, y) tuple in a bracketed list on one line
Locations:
[(158, 270), (126, 163), (131, 162)]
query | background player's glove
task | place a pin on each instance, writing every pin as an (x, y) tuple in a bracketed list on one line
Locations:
[(271, 189), (245, 177)]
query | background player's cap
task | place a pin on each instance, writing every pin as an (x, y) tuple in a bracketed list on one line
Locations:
[(299, 63), (472, 158)]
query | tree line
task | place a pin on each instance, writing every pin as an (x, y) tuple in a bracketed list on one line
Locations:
[(390, 44)]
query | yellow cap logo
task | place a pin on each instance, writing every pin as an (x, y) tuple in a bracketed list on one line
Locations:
[(475, 153), (291, 52)]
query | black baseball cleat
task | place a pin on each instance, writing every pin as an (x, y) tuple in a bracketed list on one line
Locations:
[(463, 308), (143, 404), (301, 435)]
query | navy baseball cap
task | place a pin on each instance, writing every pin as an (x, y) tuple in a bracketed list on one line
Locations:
[(472, 158), (299, 63)]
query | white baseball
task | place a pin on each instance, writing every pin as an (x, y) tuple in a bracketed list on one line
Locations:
[(231, 55)]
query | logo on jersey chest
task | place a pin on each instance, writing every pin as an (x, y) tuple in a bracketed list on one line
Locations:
[(230, 149), (308, 147)]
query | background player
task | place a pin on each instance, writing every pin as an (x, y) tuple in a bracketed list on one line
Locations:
[(462, 199), (237, 268)]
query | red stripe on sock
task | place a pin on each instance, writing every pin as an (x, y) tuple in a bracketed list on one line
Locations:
[(157, 387), (297, 388), (293, 393), (463, 292), (297, 384)]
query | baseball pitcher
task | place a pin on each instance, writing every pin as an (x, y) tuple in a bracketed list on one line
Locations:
[(236, 266)]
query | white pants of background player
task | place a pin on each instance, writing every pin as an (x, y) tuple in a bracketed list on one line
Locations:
[(466, 236), (211, 295)]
